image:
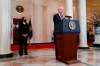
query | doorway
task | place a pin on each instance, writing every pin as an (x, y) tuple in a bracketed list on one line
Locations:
[(15, 31)]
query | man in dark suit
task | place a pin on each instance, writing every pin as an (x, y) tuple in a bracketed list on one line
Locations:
[(58, 18), (23, 36)]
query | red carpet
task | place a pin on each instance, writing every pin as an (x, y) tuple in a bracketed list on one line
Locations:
[(40, 46), (31, 47)]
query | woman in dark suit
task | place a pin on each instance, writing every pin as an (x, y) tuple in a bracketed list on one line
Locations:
[(23, 36)]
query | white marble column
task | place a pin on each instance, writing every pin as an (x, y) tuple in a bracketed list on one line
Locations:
[(69, 8), (83, 26), (37, 22), (5, 26)]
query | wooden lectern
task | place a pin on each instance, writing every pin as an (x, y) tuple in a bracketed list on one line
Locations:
[(67, 33)]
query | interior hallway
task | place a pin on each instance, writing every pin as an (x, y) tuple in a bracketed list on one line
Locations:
[(46, 57)]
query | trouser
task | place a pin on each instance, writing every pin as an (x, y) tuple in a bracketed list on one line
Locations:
[(56, 50), (23, 46)]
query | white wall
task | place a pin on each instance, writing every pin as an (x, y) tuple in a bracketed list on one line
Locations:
[(15, 14), (24, 3), (52, 9), (49, 7)]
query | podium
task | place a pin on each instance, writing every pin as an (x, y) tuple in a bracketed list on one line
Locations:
[(67, 37)]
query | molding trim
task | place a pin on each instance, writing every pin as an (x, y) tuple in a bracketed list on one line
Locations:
[(83, 47), (96, 45), (6, 55)]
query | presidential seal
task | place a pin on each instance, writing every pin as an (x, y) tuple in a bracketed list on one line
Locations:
[(72, 25), (19, 9)]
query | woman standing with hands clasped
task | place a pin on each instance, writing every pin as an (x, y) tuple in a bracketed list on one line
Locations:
[(23, 36)]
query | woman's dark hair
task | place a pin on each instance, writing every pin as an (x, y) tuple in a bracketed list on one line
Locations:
[(23, 19)]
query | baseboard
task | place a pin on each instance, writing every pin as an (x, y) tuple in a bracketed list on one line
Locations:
[(83, 47), (6, 55), (96, 45)]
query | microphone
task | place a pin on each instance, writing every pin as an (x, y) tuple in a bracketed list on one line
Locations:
[(69, 17)]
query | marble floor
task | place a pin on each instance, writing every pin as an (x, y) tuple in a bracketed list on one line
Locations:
[(46, 57)]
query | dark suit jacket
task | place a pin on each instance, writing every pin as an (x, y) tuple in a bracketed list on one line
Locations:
[(56, 19), (23, 29)]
